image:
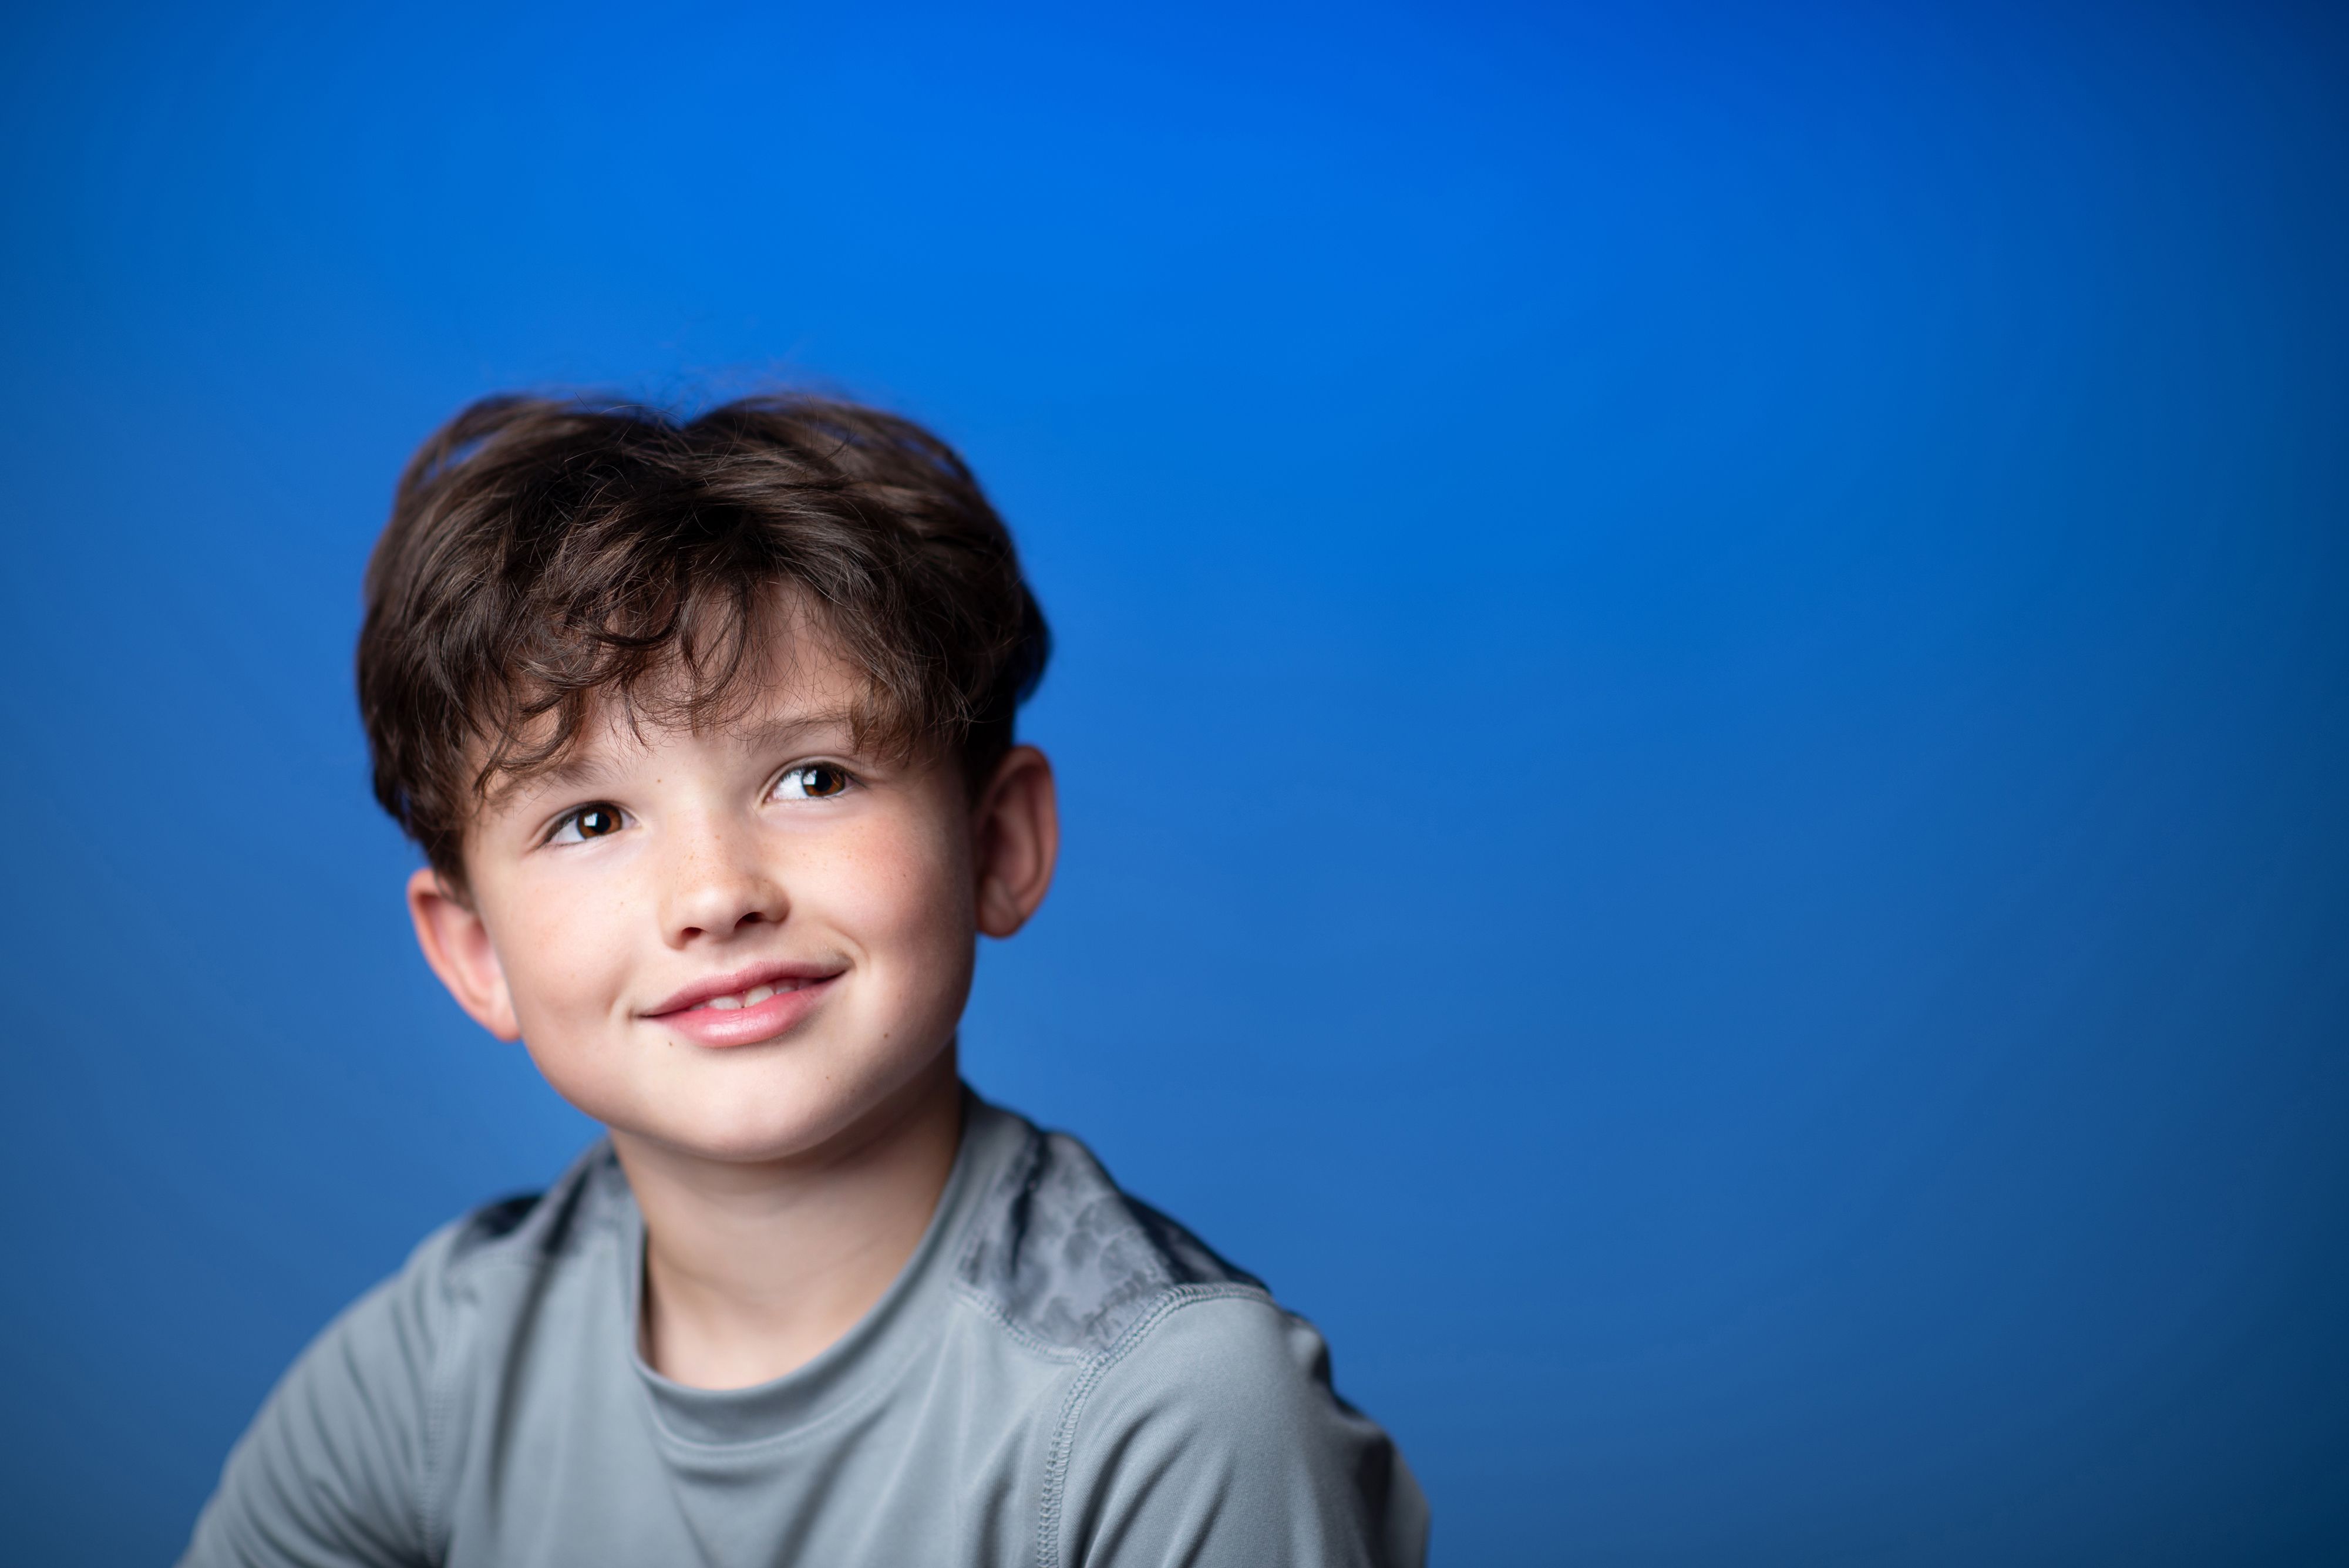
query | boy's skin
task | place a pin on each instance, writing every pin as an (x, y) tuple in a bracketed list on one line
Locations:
[(788, 1155)]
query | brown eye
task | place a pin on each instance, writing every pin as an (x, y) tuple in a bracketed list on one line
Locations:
[(587, 822), (812, 781)]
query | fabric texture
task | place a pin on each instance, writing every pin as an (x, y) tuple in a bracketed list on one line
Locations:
[(1059, 1376)]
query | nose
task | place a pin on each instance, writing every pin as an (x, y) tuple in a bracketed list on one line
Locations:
[(716, 884)]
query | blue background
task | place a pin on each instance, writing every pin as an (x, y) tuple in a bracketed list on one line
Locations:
[(1700, 702)]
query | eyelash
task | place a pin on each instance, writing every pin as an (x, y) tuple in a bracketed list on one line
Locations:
[(847, 781), (573, 820)]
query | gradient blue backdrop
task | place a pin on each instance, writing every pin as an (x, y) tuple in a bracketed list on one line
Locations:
[(1700, 702)]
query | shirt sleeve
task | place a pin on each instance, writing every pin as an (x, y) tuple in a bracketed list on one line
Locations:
[(1216, 1439), (332, 1472)]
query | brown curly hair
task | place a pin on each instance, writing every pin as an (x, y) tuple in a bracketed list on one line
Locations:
[(545, 555)]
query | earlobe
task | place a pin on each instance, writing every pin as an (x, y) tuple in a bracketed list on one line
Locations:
[(456, 945), (1017, 834)]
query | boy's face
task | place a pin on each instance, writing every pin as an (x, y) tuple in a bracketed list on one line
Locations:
[(741, 944)]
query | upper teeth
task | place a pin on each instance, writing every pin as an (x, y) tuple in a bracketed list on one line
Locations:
[(751, 998)]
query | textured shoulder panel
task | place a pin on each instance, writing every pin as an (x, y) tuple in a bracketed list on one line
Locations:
[(492, 1221), (1069, 1260), (588, 1196)]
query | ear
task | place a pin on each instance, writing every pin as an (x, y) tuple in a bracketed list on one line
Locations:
[(1016, 840), (456, 945)]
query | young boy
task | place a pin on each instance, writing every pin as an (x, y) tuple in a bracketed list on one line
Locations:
[(705, 731)]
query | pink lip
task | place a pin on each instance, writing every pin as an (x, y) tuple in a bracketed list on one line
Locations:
[(746, 1025)]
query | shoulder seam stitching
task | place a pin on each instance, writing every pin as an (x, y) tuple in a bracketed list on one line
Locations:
[(1056, 1464)]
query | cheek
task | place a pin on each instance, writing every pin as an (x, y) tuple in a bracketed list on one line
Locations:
[(562, 965), (906, 898)]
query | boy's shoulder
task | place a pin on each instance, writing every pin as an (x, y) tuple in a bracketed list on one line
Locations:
[(502, 1253), (1065, 1259), (1198, 1421), (590, 1202)]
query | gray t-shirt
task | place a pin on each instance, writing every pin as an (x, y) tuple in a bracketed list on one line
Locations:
[(1060, 1376)]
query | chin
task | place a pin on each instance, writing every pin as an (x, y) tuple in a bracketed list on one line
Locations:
[(746, 1145), (752, 1129), (761, 1122)]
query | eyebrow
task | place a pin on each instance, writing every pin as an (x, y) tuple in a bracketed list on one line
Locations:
[(577, 774), (577, 770), (782, 733), (583, 771)]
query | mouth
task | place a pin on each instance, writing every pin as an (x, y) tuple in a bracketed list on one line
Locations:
[(751, 998), (747, 1007)]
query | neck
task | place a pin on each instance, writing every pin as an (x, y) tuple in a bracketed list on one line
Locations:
[(752, 1269)]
